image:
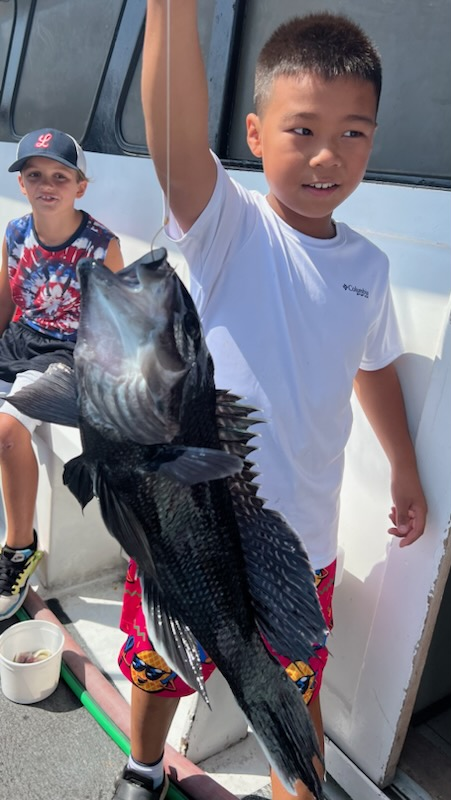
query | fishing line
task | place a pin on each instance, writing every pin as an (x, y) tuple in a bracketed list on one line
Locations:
[(166, 195)]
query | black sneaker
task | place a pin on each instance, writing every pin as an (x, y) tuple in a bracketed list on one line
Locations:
[(16, 566), (132, 786)]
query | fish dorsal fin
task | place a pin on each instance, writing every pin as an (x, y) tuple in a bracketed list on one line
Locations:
[(52, 398), (233, 421), (280, 579), (172, 639)]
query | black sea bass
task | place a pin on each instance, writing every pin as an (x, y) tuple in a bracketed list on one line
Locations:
[(167, 456)]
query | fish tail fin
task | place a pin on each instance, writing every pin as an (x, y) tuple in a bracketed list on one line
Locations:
[(281, 723)]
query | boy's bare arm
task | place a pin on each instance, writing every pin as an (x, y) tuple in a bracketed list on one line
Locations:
[(6, 301), (380, 396), (113, 258), (191, 168)]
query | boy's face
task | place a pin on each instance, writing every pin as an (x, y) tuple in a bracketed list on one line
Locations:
[(50, 186), (314, 138)]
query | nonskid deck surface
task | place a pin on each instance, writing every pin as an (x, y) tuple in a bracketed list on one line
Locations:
[(68, 754), (54, 749), (90, 613)]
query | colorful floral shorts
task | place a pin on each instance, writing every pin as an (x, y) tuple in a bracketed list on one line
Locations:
[(142, 665)]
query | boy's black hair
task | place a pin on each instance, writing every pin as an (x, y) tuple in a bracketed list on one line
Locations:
[(325, 44)]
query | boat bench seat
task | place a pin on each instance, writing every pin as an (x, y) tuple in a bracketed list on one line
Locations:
[(78, 547)]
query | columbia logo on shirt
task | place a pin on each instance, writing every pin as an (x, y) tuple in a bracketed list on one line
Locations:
[(348, 287)]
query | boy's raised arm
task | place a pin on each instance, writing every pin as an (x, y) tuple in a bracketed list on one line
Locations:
[(180, 151)]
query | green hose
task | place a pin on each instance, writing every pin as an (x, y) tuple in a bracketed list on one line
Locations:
[(95, 710), (98, 713)]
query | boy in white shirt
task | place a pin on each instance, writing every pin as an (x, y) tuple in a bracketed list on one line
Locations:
[(295, 306)]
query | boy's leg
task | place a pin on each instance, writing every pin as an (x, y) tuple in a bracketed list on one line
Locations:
[(19, 474), (19, 556), (19, 471), (156, 691), (143, 776), (151, 718)]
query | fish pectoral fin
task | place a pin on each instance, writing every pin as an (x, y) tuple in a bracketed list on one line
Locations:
[(190, 465), (172, 639), (52, 398), (281, 583), (122, 522), (77, 478)]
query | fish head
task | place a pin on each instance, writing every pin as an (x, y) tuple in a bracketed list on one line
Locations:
[(140, 348)]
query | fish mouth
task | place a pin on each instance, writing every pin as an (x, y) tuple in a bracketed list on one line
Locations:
[(91, 270), (132, 276), (148, 274)]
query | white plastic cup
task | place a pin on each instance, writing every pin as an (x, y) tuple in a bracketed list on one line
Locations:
[(30, 683)]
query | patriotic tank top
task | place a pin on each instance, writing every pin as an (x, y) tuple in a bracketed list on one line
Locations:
[(43, 279)]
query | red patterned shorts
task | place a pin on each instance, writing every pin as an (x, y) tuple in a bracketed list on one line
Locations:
[(142, 665)]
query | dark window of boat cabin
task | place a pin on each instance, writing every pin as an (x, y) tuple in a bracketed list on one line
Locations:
[(66, 52), (7, 11), (132, 119)]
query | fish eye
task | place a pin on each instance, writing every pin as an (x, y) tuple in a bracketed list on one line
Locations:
[(191, 325)]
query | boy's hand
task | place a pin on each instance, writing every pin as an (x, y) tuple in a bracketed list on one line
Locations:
[(381, 398), (408, 514)]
